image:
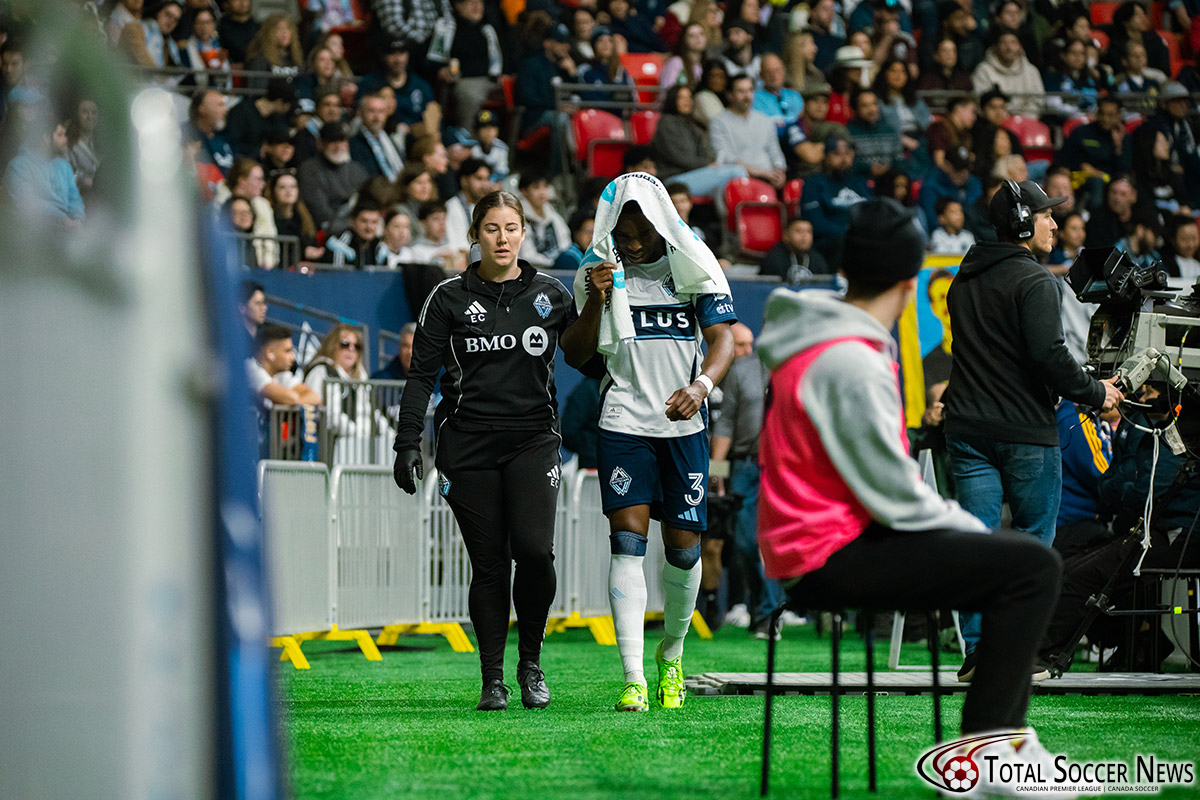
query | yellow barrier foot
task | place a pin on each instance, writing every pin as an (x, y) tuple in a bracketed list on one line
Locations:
[(603, 630), (700, 626), (453, 632), (291, 651)]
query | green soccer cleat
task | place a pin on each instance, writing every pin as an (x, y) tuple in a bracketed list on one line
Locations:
[(633, 698), (671, 693)]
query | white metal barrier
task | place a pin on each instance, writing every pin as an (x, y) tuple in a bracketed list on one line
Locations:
[(295, 509), (380, 542)]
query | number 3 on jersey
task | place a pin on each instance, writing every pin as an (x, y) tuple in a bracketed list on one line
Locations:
[(694, 497)]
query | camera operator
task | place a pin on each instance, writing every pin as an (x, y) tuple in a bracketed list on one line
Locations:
[(1123, 491), (1010, 366)]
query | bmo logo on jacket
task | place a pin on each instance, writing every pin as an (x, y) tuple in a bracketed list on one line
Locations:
[(535, 340)]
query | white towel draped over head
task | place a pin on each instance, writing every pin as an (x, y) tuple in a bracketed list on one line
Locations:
[(694, 268)]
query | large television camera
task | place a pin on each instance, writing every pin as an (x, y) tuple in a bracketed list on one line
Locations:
[(1145, 330)]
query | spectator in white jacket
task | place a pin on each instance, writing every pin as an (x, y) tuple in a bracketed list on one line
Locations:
[(546, 233)]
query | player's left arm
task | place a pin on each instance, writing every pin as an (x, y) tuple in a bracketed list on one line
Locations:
[(685, 402)]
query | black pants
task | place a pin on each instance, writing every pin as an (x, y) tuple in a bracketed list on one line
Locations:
[(1010, 578), (503, 489)]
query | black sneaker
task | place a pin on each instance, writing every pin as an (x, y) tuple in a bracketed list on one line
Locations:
[(494, 696), (762, 629), (532, 680), (967, 670)]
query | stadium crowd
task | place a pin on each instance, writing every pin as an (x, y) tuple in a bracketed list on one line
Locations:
[(362, 134)]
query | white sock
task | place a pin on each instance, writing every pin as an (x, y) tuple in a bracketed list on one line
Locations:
[(627, 597), (680, 587)]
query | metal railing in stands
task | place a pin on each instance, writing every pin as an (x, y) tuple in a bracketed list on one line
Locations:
[(938, 100), (359, 421), (567, 94), (223, 80), (267, 252)]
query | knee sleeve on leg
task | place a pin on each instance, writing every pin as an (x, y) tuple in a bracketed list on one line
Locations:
[(627, 543), (682, 557)]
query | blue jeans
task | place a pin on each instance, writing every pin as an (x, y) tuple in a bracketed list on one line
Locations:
[(766, 594), (710, 181), (989, 473)]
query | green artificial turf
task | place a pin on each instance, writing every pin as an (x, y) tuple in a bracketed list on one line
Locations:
[(407, 727)]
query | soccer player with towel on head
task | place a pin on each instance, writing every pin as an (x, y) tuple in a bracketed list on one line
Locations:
[(659, 291)]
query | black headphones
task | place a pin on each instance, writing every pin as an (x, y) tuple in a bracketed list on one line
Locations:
[(1020, 218)]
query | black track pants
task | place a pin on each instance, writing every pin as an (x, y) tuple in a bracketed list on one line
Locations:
[(1012, 579), (503, 489)]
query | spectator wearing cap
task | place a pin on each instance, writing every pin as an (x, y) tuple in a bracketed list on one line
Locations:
[(250, 121), (739, 55), (851, 69), (829, 195), (944, 73), (1006, 66), (804, 141), (745, 137), (371, 147), (1131, 23), (1172, 118), (546, 233), (536, 78), (877, 144), (1010, 364), (951, 131), (581, 225), (637, 29), (954, 180), (466, 40), (329, 178), (1097, 150), (206, 115), (604, 68), (458, 147), (237, 28), (489, 146), (828, 32), (781, 104), (474, 181), (412, 91), (278, 152), (328, 109), (960, 26)]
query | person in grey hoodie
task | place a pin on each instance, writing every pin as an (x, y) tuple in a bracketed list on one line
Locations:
[(1010, 364), (844, 516)]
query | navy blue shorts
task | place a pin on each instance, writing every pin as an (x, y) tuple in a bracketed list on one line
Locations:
[(668, 474)]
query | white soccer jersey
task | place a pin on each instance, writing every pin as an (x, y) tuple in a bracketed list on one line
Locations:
[(664, 355)]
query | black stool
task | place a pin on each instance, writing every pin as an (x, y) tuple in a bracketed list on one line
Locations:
[(835, 693)]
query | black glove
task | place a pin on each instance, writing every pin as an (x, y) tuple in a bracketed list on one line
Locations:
[(407, 461)]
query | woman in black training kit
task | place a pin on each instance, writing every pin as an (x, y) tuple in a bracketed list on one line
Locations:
[(495, 329)]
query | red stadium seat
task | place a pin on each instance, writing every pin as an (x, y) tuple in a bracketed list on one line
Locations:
[(1034, 136), (746, 190), (643, 124), (759, 226), (645, 69), (1102, 13), (600, 141), (791, 196), (1132, 125), (1101, 39), (1174, 51), (1072, 124)]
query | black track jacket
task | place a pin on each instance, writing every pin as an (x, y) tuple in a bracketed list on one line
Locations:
[(1010, 361), (497, 342)]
